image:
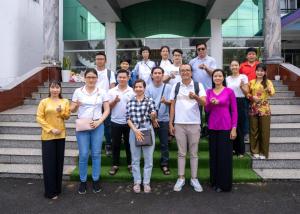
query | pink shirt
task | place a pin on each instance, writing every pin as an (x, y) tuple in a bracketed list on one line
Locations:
[(222, 116)]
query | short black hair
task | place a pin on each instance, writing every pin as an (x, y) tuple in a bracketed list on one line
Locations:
[(251, 49), (164, 46), (145, 48), (186, 64), (201, 43), (212, 79), (125, 59), (121, 71), (101, 53), (55, 83), (90, 70), (178, 51), (139, 81), (157, 67)]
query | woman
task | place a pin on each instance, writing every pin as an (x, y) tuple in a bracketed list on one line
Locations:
[(165, 62), (51, 113), (260, 89), (140, 112), (239, 84), (143, 68), (89, 100), (222, 122)]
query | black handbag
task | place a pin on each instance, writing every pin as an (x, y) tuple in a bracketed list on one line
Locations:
[(147, 134)]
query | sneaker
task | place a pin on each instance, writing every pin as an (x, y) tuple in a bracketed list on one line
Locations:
[(262, 157), (197, 186), (246, 138), (108, 150), (179, 184), (82, 188), (147, 188), (137, 188), (256, 156), (96, 186)]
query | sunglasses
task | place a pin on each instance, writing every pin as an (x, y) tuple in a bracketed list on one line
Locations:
[(200, 49)]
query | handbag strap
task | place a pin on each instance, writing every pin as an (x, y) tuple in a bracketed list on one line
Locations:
[(162, 93), (94, 103), (144, 114)]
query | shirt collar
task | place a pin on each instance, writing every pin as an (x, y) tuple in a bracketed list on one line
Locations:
[(85, 91), (191, 84)]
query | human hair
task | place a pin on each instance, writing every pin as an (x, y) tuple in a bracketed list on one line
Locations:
[(251, 49), (264, 68), (101, 53), (186, 64), (164, 46), (235, 60), (139, 81), (212, 77), (90, 70), (122, 71), (144, 48), (157, 67), (201, 43), (178, 51), (55, 83), (125, 59)]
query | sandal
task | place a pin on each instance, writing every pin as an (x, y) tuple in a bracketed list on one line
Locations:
[(137, 188), (129, 167), (113, 170), (165, 170), (147, 188)]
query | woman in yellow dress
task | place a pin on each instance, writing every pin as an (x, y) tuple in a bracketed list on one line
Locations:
[(51, 113), (260, 89)]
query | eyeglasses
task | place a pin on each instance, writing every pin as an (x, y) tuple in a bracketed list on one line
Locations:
[(91, 78), (185, 70), (201, 49), (100, 58)]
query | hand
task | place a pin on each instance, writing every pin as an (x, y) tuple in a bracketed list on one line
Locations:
[(117, 99), (155, 123), (58, 109), (268, 90), (233, 134), (95, 124), (242, 84), (163, 100), (172, 75), (202, 66), (139, 135), (192, 95), (56, 131), (256, 99), (214, 101), (153, 115), (172, 129), (78, 103)]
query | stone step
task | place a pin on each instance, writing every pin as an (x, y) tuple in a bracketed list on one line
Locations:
[(32, 156), (278, 160), (277, 83), (277, 174), (284, 100), (282, 144), (24, 128), (282, 94), (30, 141), (29, 170), (281, 88), (285, 130), (285, 114)]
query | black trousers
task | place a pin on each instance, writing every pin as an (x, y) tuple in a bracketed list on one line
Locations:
[(53, 152), (239, 143), (117, 132), (220, 159)]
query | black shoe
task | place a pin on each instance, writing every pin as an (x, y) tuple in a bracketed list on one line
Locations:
[(96, 187), (108, 150), (82, 188)]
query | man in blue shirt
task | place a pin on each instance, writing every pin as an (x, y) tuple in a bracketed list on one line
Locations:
[(160, 93)]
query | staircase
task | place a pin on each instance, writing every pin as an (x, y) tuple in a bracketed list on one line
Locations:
[(284, 158), (20, 145)]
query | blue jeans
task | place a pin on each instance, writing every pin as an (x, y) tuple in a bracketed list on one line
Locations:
[(163, 134), (90, 140), (136, 152)]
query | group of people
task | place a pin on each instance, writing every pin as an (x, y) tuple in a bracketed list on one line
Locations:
[(164, 99)]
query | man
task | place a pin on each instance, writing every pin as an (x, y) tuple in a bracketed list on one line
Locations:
[(119, 97), (203, 66), (160, 93), (248, 68), (106, 81), (186, 96), (173, 77)]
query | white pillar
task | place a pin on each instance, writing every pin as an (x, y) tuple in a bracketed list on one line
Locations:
[(216, 44), (51, 31), (111, 45), (61, 31)]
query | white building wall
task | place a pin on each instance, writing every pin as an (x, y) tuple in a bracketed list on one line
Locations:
[(21, 38)]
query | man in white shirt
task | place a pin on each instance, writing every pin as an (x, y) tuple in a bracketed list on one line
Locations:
[(186, 96), (119, 96), (173, 76), (106, 81)]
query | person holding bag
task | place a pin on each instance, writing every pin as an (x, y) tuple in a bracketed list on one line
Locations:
[(89, 100), (51, 113), (140, 112)]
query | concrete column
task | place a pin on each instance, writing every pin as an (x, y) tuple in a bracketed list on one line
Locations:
[(111, 45), (51, 31), (216, 41), (272, 32), (61, 31)]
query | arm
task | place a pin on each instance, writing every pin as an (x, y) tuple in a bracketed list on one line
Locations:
[(172, 117), (95, 124), (270, 89), (234, 116), (40, 117), (65, 114), (74, 106), (114, 102)]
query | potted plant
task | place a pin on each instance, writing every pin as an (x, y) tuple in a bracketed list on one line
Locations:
[(66, 69), (277, 77)]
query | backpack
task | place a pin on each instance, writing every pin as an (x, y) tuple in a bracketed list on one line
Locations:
[(196, 88)]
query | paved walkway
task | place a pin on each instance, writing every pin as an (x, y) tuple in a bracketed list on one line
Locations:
[(26, 196)]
